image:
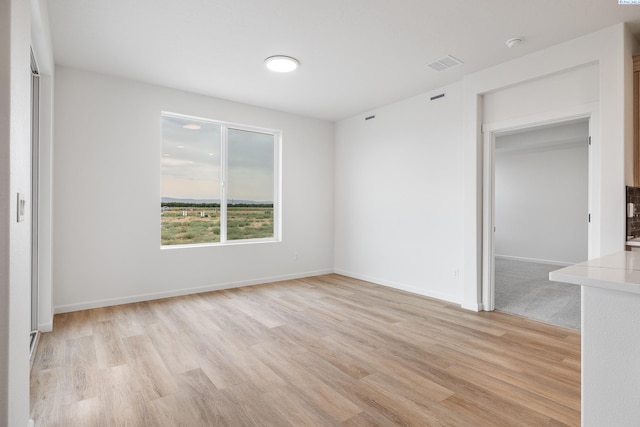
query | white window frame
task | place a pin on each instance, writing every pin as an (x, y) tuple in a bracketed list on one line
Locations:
[(277, 178)]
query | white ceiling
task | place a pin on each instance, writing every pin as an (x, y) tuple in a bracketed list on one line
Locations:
[(355, 55)]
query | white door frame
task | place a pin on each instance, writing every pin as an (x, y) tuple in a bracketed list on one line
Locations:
[(488, 220), (489, 131), (35, 193)]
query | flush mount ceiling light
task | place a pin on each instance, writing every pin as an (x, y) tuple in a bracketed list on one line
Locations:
[(191, 126), (281, 63), (516, 41)]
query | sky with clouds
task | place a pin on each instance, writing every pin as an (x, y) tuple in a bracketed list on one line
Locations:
[(191, 161)]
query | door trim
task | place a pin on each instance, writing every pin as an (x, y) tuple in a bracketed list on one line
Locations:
[(35, 179), (488, 222), (489, 131)]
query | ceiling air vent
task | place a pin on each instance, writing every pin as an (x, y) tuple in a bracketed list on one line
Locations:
[(445, 63)]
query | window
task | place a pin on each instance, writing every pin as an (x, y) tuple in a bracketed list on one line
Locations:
[(220, 182)]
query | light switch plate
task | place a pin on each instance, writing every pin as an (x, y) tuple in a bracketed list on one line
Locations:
[(21, 206)]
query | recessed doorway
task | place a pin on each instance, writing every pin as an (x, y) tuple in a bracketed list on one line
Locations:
[(540, 216)]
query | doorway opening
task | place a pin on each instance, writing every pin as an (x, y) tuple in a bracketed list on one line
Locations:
[(35, 168), (536, 218)]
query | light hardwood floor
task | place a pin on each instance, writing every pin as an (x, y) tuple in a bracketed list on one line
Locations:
[(322, 351)]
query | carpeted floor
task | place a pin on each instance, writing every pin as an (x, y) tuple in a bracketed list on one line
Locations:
[(524, 288)]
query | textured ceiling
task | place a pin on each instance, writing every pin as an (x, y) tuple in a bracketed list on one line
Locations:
[(355, 54)]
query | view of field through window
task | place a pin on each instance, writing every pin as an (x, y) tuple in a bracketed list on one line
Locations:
[(193, 194)]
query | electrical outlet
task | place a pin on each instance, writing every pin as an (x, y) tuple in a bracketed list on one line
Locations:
[(456, 274)]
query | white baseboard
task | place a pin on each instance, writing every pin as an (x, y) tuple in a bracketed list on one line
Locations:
[(179, 292), (539, 261), (46, 327), (473, 307), (400, 286)]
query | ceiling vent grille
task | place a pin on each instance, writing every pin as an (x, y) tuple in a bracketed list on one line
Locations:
[(445, 63)]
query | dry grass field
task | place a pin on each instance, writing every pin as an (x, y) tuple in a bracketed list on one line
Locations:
[(202, 224)]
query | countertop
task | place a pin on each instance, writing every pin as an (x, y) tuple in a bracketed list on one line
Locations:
[(633, 242), (619, 272)]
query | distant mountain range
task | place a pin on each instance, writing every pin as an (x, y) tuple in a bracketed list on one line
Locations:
[(199, 201)]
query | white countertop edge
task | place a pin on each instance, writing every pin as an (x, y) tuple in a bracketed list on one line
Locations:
[(618, 272), (633, 242), (585, 280)]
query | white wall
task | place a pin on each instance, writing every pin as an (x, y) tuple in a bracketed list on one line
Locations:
[(5, 211), (541, 194), (15, 267), (107, 191), (398, 195), (556, 92), (587, 75), (609, 48)]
